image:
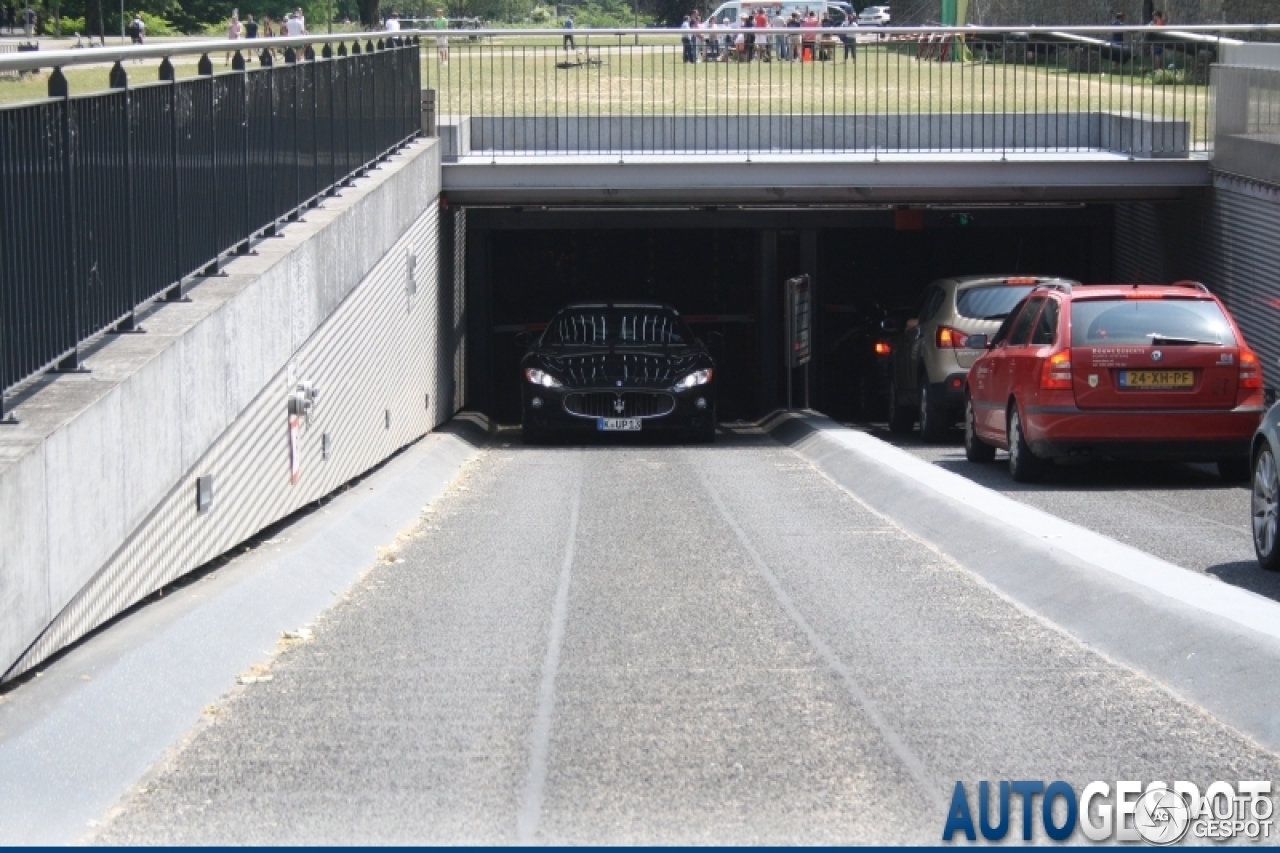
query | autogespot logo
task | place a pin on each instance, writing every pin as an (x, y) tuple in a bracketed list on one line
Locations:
[(1157, 813)]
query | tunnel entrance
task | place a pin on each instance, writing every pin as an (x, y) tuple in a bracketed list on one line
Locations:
[(724, 271)]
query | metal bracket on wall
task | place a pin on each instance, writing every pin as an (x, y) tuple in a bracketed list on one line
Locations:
[(72, 364), (177, 293), (127, 326)]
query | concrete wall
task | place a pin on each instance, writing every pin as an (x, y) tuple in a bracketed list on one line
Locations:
[(98, 481)]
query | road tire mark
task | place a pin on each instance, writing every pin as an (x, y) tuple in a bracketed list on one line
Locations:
[(914, 766), (530, 818)]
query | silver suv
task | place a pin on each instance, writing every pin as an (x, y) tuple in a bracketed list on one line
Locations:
[(926, 379)]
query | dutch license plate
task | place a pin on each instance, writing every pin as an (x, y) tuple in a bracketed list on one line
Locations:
[(1157, 379), (618, 424)]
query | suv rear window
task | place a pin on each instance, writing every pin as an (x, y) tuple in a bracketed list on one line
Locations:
[(1139, 321), (989, 303)]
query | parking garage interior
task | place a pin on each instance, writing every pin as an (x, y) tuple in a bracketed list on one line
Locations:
[(725, 269)]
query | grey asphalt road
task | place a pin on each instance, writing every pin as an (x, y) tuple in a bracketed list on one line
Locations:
[(634, 644), (1185, 514)]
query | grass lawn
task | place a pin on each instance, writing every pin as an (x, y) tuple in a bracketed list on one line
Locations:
[(620, 75), (524, 79)]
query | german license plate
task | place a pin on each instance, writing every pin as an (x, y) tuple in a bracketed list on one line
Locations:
[(1157, 379), (618, 424)]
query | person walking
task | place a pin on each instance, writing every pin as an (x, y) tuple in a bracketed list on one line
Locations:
[(686, 41), (9, 17), (28, 21), (569, 43), (234, 31), (137, 29), (392, 24), (441, 25), (250, 28), (1157, 48), (296, 25), (793, 37)]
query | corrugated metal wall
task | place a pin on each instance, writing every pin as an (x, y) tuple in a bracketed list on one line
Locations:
[(381, 363), (1229, 239)]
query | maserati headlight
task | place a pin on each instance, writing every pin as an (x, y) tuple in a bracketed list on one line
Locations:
[(541, 377), (698, 377)]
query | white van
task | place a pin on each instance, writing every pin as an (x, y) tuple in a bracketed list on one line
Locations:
[(730, 14)]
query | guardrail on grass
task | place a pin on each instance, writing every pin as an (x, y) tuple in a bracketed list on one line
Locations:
[(1139, 91), (112, 199)]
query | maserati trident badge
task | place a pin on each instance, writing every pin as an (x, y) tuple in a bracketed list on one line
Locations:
[(618, 405)]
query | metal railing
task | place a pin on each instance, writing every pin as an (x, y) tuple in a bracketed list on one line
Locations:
[(1138, 91), (112, 199)]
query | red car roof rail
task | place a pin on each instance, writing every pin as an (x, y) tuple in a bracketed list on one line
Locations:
[(1064, 286)]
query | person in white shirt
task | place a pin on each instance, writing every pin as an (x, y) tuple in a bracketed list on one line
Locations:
[(393, 23), (297, 24)]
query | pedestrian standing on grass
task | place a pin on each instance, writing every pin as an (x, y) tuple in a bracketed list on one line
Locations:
[(9, 17), (793, 37), (780, 41), (28, 21), (441, 25), (569, 43), (250, 28), (234, 31), (850, 40)]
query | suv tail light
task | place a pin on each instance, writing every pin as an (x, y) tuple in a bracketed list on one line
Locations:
[(949, 338), (1250, 370), (1055, 375), (883, 348)]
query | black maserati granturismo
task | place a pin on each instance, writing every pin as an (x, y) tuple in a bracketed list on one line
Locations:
[(621, 367)]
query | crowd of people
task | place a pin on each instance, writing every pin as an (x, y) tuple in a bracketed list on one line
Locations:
[(798, 38), (12, 17)]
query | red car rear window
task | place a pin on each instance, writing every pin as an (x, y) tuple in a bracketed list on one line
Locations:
[(1096, 322)]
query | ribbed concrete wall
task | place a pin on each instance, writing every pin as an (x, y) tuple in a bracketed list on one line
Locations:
[(98, 482)]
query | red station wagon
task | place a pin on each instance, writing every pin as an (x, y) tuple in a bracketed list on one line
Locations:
[(1110, 371)]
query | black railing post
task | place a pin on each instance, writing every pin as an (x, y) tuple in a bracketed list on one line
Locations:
[(120, 80), (205, 69), (295, 201), (59, 88), (246, 247), (175, 293)]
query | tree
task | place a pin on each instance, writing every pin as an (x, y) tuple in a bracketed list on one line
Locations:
[(370, 14)]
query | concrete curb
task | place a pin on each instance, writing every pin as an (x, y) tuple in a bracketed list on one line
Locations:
[(74, 741), (1211, 643)]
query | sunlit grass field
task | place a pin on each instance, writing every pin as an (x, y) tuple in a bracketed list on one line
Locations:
[(645, 75)]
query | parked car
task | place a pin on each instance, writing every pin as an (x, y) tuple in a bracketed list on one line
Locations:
[(933, 356), (1266, 489), (874, 16), (1114, 371), (617, 367)]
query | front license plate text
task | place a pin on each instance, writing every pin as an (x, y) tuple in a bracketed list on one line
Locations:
[(618, 424)]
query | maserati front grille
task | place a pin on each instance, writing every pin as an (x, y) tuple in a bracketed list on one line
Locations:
[(620, 404)]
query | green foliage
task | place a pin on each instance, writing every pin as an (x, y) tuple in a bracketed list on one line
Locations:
[(541, 15), (603, 13), (1170, 76)]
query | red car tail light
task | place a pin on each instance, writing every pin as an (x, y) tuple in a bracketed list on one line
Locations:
[(1250, 370), (882, 348), (949, 338), (1055, 375)]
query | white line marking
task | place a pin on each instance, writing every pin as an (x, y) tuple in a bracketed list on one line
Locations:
[(530, 817)]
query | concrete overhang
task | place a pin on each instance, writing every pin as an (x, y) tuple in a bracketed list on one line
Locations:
[(791, 179)]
